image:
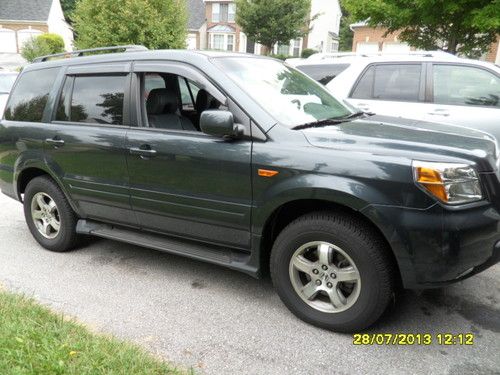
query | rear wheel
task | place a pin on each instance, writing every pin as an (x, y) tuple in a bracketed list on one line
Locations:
[(333, 271), (49, 216)]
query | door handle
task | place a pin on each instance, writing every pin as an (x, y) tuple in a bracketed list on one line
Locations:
[(144, 151), (56, 142)]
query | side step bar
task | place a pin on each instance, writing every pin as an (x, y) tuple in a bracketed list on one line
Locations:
[(226, 257)]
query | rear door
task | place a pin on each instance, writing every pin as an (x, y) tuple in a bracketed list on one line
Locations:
[(465, 95), (86, 142), (393, 89)]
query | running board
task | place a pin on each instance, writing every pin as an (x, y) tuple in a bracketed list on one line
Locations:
[(226, 257)]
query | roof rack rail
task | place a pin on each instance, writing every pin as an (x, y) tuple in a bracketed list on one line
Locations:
[(80, 53)]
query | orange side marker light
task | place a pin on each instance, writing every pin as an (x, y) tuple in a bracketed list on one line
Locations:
[(267, 173)]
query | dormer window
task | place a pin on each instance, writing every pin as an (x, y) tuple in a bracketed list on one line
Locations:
[(223, 12)]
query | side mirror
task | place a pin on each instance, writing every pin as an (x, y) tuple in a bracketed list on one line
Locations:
[(220, 124)]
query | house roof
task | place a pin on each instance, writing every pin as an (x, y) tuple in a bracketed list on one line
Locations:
[(196, 14), (25, 10)]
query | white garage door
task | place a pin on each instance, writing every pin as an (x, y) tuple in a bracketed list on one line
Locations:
[(8, 41), (396, 47), (191, 41), (365, 47), (24, 35)]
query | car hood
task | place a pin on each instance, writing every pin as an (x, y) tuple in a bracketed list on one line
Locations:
[(412, 138)]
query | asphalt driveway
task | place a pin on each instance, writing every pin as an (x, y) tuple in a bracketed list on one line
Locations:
[(222, 322)]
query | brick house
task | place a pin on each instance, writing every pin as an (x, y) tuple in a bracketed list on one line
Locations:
[(368, 39), (21, 20), (220, 31)]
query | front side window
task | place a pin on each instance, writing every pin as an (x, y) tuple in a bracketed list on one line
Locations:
[(465, 85), (94, 99), (288, 95), (399, 82), (29, 98), (364, 87)]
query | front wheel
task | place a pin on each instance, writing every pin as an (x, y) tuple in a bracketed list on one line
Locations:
[(333, 271)]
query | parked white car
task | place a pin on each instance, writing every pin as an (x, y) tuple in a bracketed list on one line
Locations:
[(7, 80), (448, 90), (428, 86)]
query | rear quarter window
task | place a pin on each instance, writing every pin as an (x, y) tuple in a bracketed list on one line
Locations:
[(30, 95)]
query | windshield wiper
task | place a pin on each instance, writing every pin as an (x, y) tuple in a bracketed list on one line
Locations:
[(330, 121)]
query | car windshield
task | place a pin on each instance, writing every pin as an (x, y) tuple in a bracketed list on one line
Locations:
[(288, 95), (6, 82)]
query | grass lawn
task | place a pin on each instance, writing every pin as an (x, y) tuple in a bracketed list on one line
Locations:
[(34, 340)]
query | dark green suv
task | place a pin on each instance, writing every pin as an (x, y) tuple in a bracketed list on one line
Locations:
[(241, 161)]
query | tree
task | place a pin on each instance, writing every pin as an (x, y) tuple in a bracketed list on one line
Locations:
[(41, 45), (156, 24), (68, 6), (467, 27), (345, 32), (270, 22)]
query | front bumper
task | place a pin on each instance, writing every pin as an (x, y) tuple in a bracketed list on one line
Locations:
[(438, 246)]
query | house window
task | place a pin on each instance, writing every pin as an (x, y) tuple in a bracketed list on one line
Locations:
[(223, 12), (284, 49), (222, 42), (232, 12), (296, 48), (218, 42), (216, 12), (230, 43)]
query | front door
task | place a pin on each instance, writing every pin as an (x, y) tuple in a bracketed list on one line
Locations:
[(184, 182), (86, 145)]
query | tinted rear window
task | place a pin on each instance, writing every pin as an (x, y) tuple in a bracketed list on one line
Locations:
[(323, 73), (29, 97), (96, 99)]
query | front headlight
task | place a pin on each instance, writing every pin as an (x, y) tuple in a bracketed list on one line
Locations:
[(451, 183)]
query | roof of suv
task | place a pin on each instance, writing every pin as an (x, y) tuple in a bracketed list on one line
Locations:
[(367, 59), (177, 55)]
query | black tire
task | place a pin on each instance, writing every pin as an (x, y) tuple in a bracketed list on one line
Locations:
[(362, 244), (66, 238)]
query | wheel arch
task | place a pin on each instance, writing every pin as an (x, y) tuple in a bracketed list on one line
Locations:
[(289, 211), (25, 175)]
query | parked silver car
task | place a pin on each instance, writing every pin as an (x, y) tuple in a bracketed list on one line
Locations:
[(7, 79), (427, 86)]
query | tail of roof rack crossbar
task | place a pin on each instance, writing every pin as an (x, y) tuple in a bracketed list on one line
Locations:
[(79, 53)]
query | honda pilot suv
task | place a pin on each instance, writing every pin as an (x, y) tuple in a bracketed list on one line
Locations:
[(241, 161)]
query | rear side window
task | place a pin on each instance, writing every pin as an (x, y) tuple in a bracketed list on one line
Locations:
[(29, 97), (398, 82), (93, 99), (465, 85), (323, 73)]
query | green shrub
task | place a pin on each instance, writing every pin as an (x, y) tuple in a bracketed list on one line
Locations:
[(307, 52), (41, 45), (281, 56)]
